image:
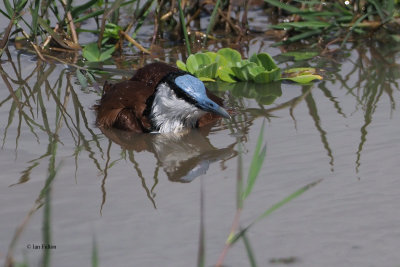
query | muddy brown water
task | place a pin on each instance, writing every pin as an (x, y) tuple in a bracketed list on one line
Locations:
[(138, 197)]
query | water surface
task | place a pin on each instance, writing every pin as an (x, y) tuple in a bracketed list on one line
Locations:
[(138, 197)]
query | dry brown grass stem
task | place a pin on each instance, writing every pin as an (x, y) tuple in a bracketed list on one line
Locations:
[(132, 41)]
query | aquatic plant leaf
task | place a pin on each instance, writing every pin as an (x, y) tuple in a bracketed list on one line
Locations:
[(298, 56), (226, 74), (221, 60), (211, 55), (243, 73), (268, 76), (106, 54), (181, 65), (301, 75), (232, 56), (254, 71), (209, 71), (301, 70), (264, 60), (82, 79), (91, 52), (205, 79), (303, 79), (197, 61), (112, 31)]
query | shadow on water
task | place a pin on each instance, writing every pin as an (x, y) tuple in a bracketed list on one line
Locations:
[(42, 105)]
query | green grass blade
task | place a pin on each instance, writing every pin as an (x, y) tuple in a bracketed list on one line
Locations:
[(302, 24), (239, 184), (95, 256), (20, 5), (183, 23), (35, 15), (283, 6), (9, 8), (249, 250), (353, 27), (212, 21), (378, 10), (53, 34), (47, 227), (274, 208), (76, 11), (90, 15), (287, 199), (142, 15), (97, 13), (5, 14), (201, 255), (256, 163)]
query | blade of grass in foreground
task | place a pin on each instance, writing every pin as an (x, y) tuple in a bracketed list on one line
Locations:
[(201, 256), (95, 257), (249, 251), (274, 208), (256, 163), (240, 193)]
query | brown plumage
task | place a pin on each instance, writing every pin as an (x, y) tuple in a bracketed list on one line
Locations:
[(123, 105)]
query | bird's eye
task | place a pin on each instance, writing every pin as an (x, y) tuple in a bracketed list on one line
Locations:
[(211, 104)]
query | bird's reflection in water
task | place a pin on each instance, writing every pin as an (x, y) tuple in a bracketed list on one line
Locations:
[(183, 157)]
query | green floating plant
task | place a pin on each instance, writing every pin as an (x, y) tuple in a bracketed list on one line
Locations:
[(227, 65), (93, 54), (301, 75)]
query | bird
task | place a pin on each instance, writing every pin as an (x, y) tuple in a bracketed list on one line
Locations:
[(159, 98)]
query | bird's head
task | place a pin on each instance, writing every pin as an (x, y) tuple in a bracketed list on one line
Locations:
[(193, 91), (179, 101)]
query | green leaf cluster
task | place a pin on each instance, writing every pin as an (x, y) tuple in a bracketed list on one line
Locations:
[(93, 54), (227, 65)]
